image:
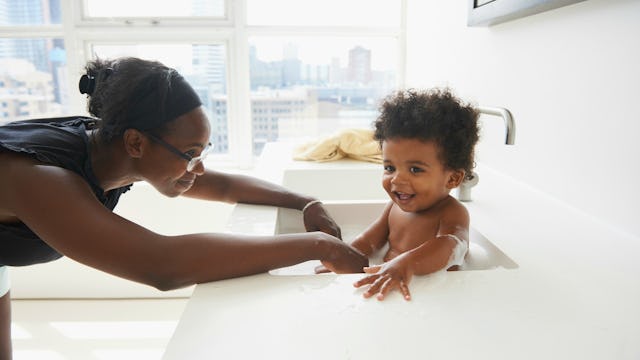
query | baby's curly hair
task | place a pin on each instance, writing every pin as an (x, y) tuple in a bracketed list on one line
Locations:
[(432, 115)]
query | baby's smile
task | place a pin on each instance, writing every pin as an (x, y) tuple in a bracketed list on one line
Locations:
[(403, 196)]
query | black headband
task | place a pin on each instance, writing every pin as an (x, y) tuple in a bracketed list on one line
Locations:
[(149, 112), (181, 98), (152, 108)]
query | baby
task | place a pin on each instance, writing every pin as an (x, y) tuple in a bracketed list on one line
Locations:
[(427, 140)]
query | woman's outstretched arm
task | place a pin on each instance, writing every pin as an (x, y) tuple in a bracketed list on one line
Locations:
[(59, 206), (234, 188), (237, 188)]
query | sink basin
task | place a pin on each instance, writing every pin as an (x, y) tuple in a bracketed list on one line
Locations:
[(354, 216), (338, 181)]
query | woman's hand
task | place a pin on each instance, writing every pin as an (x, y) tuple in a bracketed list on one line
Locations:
[(316, 218), (343, 258), (394, 274), (321, 269)]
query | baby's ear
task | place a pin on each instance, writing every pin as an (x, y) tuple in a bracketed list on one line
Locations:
[(455, 179)]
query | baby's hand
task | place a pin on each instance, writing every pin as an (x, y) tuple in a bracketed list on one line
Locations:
[(386, 277)]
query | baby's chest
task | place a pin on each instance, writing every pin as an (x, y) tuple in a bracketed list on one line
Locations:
[(408, 232)]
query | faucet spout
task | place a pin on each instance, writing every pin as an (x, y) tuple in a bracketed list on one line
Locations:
[(508, 121), (464, 189)]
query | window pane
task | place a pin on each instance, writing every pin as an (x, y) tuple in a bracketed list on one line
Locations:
[(29, 12), (154, 8), (378, 13), (33, 79), (310, 86), (203, 65)]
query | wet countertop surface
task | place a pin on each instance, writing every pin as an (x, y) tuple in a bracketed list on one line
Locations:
[(573, 295)]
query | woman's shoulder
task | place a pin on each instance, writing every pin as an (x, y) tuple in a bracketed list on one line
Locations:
[(22, 175), (51, 120), (57, 141), (17, 167), (44, 132)]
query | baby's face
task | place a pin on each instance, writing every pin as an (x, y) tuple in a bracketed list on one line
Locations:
[(414, 177)]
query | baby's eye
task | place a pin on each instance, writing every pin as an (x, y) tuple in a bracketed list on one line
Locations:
[(415, 170), (191, 153), (389, 168)]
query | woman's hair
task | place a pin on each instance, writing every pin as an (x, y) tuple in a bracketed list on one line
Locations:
[(134, 93), (432, 115)]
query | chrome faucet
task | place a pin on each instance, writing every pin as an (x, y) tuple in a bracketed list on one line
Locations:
[(464, 190), (509, 124)]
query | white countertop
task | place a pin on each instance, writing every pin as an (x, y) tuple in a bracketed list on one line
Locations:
[(574, 295)]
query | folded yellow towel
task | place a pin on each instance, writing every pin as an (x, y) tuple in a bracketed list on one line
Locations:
[(353, 143)]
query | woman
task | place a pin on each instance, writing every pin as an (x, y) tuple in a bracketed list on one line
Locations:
[(61, 179)]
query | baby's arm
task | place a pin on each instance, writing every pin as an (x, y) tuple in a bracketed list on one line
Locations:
[(376, 235), (446, 249)]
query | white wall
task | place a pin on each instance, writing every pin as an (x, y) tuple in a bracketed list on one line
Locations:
[(571, 78)]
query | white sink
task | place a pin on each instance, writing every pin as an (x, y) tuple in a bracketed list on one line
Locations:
[(354, 216), (338, 181)]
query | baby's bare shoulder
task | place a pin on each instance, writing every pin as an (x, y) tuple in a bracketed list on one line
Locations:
[(454, 213), (450, 207), (454, 206)]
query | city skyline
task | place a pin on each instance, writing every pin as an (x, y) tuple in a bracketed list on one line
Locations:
[(299, 86)]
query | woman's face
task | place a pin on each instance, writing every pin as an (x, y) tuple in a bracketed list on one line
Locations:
[(167, 171)]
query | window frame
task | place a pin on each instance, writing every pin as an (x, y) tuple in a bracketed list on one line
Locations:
[(82, 20), (79, 33)]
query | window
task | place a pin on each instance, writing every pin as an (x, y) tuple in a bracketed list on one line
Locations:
[(325, 13), (318, 84), (29, 12), (33, 69), (33, 78), (321, 66), (203, 65), (266, 70), (154, 8)]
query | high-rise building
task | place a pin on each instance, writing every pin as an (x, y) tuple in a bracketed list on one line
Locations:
[(263, 73), (209, 77), (25, 93), (275, 115), (30, 12), (359, 68), (209, 65)]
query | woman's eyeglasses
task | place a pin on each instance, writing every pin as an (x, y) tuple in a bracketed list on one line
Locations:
[(192, 161)]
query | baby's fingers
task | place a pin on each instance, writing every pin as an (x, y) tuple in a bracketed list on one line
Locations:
[(404, 289), (386, 287), (366, 280), (375, 287), (371, 269)]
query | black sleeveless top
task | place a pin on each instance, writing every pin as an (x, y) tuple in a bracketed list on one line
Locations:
[(61, 142)]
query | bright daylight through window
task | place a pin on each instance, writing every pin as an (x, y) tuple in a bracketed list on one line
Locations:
[(308, 68), (33, 72)]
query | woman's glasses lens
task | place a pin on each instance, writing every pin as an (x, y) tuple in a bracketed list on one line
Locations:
[(200, 158)]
